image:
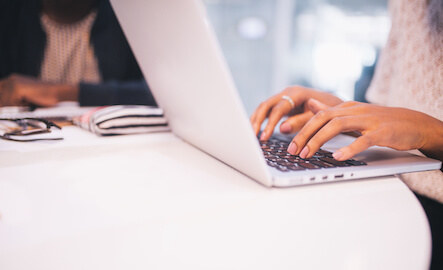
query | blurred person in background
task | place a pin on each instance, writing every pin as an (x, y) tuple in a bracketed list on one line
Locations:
[(66, 50)]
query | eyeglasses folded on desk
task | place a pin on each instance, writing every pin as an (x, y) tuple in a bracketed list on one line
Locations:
[(29, 129)]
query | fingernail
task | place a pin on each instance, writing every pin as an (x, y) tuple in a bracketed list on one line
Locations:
[(263, 136), (337, 154), (285, 128), (304, 152), (292, 148)]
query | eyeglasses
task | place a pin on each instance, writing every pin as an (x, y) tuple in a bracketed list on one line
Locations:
[(28, 129)]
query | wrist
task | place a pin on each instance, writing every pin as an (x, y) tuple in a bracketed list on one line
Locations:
[(433, 147), (66, 92)]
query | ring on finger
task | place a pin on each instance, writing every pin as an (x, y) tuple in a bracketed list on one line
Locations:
[(287, 98)]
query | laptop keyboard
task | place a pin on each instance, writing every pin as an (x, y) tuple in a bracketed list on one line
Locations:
[(277, 156)]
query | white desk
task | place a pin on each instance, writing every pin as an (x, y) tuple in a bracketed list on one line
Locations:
[(153, 202)]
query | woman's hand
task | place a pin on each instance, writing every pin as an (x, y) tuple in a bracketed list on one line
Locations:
[(19, 90), (276, 107), (397, 128)]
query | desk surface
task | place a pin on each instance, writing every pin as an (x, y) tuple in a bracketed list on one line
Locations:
[(153, 202)]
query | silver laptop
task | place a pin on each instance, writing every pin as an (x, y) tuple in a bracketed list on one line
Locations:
[(180, 57)]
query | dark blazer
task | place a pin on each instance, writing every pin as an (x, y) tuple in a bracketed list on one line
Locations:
[(22, 44)]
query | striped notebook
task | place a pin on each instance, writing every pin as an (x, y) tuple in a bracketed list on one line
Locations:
[(123, 119)]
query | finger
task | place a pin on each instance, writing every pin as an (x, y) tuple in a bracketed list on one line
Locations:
[(321, 118), (295, 123), (282, 108), (259, 115), (348, 104), (359, 145), (310, 128), (267, 109), (330, 130), (315, 106), (262, 112), (39, 101)]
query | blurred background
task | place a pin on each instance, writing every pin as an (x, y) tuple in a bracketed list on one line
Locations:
[(330, 45)]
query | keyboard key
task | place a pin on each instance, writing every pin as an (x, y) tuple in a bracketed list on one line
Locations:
[(308, 159), (273, 159), (285, 163), (277, 152), (318, 155), (294, 167), (294, 159), (321, 164), (284, 155), (272, 164), (355, 162), (325, 153), (335, 162), (282, 168), (308, 165)]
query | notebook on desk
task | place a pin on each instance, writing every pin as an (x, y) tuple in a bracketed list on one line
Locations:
[(179, 55)]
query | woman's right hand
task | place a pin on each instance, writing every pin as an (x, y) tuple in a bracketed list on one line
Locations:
[(276, 107), (20, 90)]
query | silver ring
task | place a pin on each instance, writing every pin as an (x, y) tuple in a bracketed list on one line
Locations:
[(285, 97)]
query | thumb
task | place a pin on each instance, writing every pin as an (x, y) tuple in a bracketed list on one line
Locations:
[(295, 123), (315, 106), (39, 101)]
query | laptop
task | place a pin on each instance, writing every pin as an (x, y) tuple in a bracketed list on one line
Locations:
[(182, 62)]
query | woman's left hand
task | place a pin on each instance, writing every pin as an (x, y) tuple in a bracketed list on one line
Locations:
[(397, 128)]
